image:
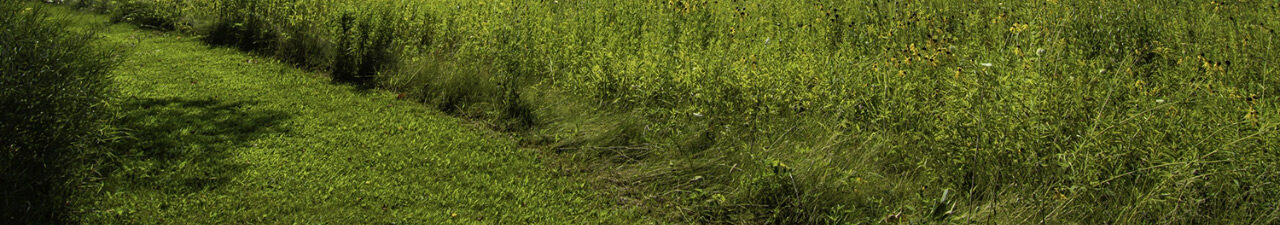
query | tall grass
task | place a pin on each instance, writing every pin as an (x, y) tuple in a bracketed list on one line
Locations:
[(829, 111), (54, 87)]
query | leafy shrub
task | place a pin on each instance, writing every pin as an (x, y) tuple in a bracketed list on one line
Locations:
[(365, 46), (302, 45), (241, 26), (154, 14), (146, 13), (54, 86)]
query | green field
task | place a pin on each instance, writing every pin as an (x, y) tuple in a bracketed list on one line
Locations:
[(681, 111), (209, 135)]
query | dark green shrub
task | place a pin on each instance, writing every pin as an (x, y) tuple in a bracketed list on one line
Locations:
[(365, 46), (144, 13), (242, 27), (163, 15), (344, 66), (54, 84), (303, 46)]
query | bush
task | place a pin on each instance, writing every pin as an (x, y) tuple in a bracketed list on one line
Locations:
[(54, 84), (365, 46), (154, 14), (240, 26)]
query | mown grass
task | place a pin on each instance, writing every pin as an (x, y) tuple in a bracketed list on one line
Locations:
[(1127, 112), (210, 135)]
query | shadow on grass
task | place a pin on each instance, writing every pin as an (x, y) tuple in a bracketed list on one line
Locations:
[(171, 145), (183, 146)]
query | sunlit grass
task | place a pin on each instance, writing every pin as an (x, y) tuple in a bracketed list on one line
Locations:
[(208, 135)]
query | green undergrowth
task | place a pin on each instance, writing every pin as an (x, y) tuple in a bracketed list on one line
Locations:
[(54, 84), (828, 112)]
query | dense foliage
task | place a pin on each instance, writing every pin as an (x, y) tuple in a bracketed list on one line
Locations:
[(829, 111), (54, 86)]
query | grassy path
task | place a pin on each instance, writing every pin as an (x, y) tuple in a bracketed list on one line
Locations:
[(216, 136)]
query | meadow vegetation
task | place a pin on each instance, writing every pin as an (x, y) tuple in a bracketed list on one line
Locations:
[(194, 134), (827, 111), (55, 85)]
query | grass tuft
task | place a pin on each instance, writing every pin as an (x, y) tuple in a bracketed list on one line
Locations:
[(55, 86)]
